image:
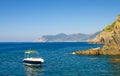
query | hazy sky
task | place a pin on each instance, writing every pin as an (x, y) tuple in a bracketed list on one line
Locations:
[(26, 20)]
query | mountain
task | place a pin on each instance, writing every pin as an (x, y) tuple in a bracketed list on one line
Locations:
[(66, 38), (110, 37), (93, 36)]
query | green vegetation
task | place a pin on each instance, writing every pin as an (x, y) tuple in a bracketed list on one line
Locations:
[(119, 15), (110, 27), (118, 18)]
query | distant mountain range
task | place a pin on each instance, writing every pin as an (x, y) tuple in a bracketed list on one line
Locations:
[(67, 38)]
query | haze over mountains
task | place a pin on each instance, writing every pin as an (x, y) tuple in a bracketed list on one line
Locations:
[(79, 37)]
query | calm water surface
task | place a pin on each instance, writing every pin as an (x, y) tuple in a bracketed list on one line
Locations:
[(58, 60)]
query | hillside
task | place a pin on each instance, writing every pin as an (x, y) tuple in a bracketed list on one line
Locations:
[(66, 38), (106, 34), (110, 37)]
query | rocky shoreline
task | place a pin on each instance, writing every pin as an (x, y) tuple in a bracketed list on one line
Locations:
[(110, 37)]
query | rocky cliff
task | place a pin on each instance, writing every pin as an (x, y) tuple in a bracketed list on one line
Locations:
[(110, 37)]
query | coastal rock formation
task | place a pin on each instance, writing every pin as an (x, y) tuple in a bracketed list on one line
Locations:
[(92, 51), (110, 37), (40, 40)]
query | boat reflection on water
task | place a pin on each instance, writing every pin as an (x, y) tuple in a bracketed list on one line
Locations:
[(33, 71)]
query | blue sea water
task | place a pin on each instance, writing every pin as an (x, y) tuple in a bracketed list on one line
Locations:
[(58, 60)]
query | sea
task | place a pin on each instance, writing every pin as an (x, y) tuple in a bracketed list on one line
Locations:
[(59, 60)]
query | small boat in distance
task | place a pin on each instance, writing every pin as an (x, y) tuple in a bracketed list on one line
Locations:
[(32, 58)]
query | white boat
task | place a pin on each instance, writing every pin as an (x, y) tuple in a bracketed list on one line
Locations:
[(32, 58)]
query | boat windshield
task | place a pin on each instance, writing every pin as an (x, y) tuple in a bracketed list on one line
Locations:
[(33, 54)]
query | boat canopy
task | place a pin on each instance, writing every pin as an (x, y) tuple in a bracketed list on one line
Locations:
[(29, 52)]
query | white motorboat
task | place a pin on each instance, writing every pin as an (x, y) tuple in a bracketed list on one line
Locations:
[(32, 58)]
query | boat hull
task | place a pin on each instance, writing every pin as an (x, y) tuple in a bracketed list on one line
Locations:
[(32, 62), (28, 64)]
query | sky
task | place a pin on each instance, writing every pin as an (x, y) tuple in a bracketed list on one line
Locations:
[(27, 20)]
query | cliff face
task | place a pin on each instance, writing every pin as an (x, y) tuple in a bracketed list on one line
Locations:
[(110, 37), (107, 33)]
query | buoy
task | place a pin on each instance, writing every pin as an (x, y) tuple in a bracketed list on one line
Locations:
[(73, 53)]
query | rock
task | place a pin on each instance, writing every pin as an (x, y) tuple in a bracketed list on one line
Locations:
[(110, 37), (40, 40), (93, 51)]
